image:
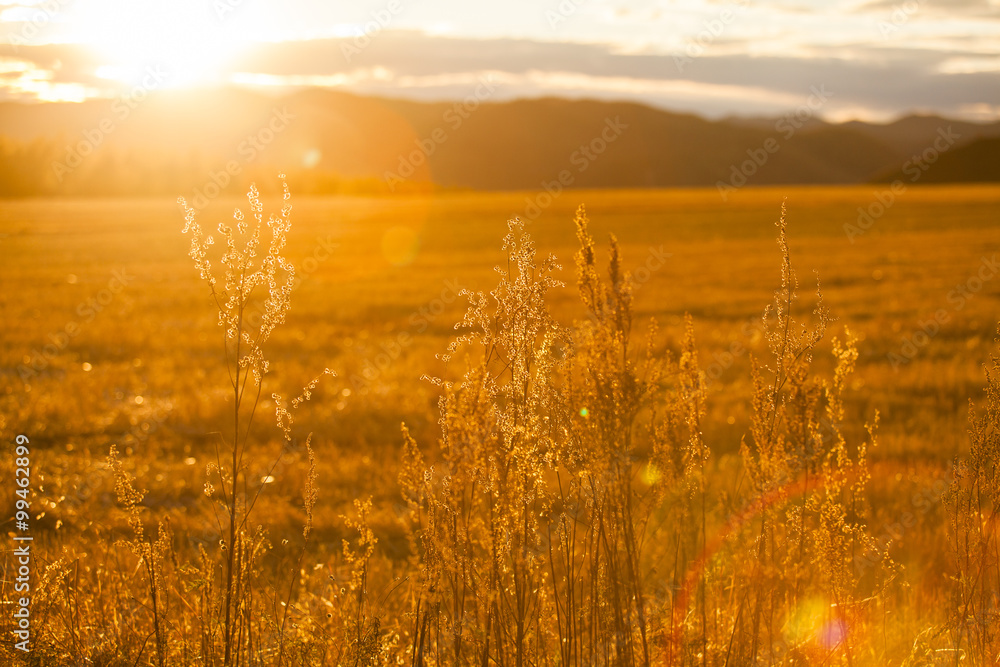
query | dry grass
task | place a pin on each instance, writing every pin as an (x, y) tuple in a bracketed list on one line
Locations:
[(579, 500)]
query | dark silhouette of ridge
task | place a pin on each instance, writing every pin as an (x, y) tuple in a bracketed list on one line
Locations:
[(328, 139)]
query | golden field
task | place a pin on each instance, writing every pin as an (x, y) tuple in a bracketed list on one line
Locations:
[(110, 338)]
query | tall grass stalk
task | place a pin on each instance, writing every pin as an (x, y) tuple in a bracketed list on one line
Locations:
[(973, 503), (255, 274)]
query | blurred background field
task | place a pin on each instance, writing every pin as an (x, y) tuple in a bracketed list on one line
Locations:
[(371, 270), (377, 300)]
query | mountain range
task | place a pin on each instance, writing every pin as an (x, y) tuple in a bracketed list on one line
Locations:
[(163, 142)]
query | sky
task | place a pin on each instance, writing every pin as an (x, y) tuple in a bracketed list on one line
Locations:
[(875, 60)]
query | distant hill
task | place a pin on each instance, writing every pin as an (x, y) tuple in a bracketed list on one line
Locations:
[(333, 141), (911, 135), (978, 162)]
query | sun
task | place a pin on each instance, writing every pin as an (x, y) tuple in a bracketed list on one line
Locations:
[(191, 41)]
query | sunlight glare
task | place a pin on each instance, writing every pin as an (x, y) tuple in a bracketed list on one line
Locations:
[(188, 40)]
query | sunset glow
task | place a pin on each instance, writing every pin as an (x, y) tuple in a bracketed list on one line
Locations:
[(712, 58)]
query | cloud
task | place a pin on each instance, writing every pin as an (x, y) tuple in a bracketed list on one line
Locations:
[(873, 80), (885, 79), (968, 9)]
